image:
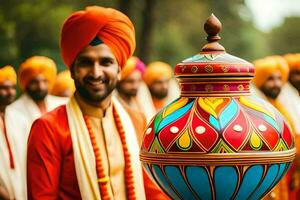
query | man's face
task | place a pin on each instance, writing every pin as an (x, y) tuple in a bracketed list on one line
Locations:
[(159, 88), (294, 78), (37, 88), (130, 85), (272, 86), (7, 93), (95, 72)]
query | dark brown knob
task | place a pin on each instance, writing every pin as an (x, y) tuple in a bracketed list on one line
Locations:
[(212, 27)]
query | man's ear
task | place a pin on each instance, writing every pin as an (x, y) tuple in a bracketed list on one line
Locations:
[(119, 73), (72, 71)]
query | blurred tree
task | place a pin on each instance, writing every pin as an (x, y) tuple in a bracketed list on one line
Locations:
[(286, 38)]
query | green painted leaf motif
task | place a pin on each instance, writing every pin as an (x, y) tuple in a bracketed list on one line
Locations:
[(222, 147), (156, 147)]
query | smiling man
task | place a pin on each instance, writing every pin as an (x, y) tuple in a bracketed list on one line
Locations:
[(89, 148)]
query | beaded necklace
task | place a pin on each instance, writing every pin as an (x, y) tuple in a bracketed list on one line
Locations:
[(102, 178)]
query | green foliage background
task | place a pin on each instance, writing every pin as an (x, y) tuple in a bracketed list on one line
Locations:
[(32, 27)]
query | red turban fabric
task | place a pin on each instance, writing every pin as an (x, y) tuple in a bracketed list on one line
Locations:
[(111, 26)]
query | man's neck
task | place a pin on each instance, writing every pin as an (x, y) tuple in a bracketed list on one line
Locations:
[(41, 105), (126, 98), (2, 108)]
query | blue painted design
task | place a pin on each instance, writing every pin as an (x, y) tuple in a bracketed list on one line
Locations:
[(146, 167), (266, 183), (175, 115), (162, 181), (228, 113), (282, 170), (199, 181), (271, 121), (214, 122), (251, 180), (174, 175), (225, 190)]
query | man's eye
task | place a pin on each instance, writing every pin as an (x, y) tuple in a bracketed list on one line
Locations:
[(84, 63), (107, 62)]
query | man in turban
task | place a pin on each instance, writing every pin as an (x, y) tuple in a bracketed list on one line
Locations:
[(270, 75), (64, 85), (163, 88), (127, 89), (9, 169), (36, 77), (289, 97), (89, 148)]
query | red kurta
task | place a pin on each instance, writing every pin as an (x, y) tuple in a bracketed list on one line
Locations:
[(50, 162)]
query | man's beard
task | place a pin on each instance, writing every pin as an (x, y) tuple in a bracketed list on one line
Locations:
[(88, 95), (6, 100), (271, 93), (37, 95), (127, 93), (159, 95)]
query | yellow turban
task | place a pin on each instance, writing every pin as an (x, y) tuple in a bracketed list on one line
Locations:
[(156, 70), (62, 83), (8, 73), (293, 60), (34, 66), (133, 63), (265, 67)]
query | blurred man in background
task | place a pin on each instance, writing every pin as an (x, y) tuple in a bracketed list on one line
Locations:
[(163, 88), (127, 89), (270, 75), (10, 187), (36, 78)]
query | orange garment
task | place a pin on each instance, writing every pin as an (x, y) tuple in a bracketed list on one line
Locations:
[(50, 168), (8, 73), (111, 26), (34, 66), (158, 103), (156, 70), (3, 128), (282, 190)]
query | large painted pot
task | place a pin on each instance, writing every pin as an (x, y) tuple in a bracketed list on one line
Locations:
[(217, 141)]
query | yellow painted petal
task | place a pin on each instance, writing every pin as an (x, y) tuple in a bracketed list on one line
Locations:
[(205, 106), (255, 140), (176, 105), (252, 105), (184, 140)]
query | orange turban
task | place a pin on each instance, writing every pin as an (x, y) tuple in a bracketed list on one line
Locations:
[(34, 66), (62, 83), (133, 63), (8, 73), (293, 60), (156, 70), (265, 67), (111, 26)]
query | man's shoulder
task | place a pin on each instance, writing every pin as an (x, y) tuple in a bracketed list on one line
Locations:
[(55, 120), (17, 104), (56, 115)]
